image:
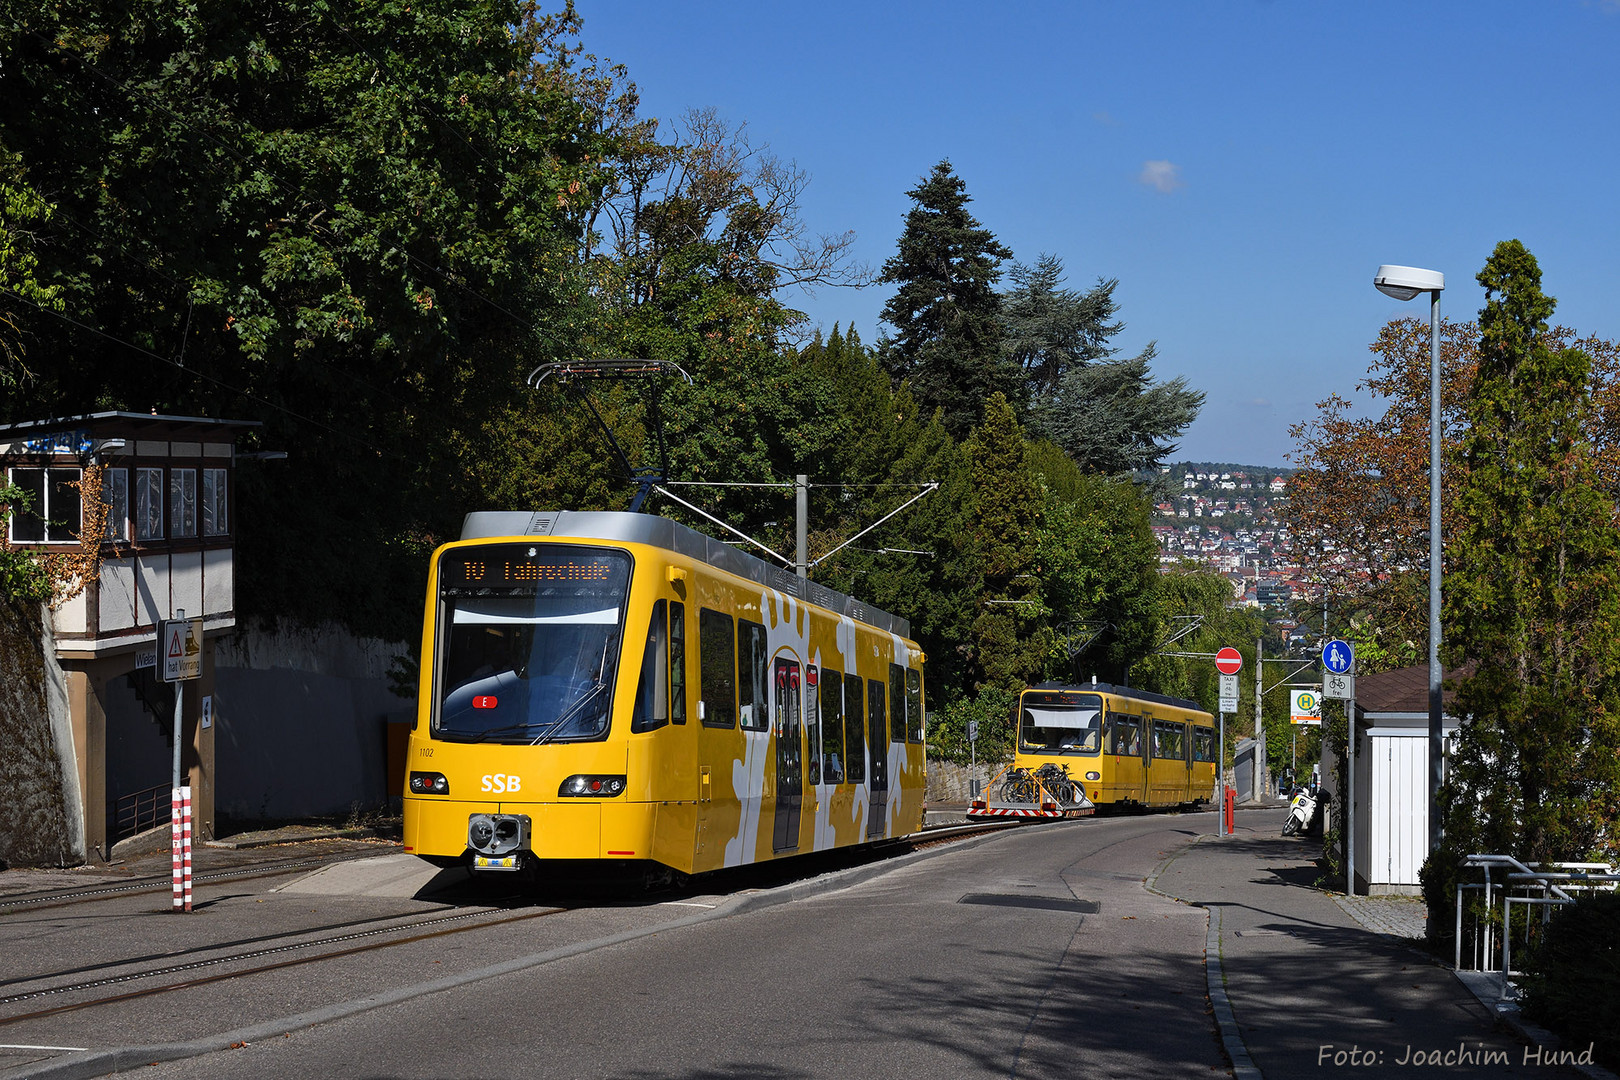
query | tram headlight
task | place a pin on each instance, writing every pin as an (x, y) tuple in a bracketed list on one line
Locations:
[(429, 783), (591, 786)]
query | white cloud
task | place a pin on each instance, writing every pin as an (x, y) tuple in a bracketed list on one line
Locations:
[(1161, 175)]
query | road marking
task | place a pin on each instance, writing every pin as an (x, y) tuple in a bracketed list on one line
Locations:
[(22, 1046), (687, 903)]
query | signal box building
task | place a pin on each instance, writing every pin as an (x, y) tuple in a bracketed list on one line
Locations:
[(168, 484)]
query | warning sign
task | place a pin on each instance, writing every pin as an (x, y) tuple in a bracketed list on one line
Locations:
[(180, 645)]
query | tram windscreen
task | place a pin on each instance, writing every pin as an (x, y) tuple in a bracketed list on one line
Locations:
[(529, 642), (1066, 724)]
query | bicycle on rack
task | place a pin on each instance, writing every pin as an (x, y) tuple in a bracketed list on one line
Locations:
[(1055, 780), (1018, 787)]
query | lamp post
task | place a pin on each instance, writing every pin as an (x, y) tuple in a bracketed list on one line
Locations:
[(1404, 283)]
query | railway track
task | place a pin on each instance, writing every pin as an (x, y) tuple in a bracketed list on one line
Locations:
[(275, 956), (211, 963)]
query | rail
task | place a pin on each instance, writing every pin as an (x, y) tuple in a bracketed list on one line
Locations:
[(141, 810), (1508, 882)]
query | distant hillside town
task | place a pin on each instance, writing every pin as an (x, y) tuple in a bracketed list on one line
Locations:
[(1227, 518)]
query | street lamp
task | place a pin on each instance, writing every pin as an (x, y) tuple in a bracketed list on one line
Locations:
[(1405, 283)]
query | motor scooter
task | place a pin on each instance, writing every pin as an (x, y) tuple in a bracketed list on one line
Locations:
[(1301, 809)]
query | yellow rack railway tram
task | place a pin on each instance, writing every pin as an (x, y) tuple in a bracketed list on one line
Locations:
[(616, 688), (1124, 747)]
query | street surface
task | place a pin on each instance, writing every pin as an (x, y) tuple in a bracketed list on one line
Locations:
[(1071, 950)]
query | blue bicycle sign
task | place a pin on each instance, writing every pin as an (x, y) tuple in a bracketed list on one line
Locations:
[(1337, 656)]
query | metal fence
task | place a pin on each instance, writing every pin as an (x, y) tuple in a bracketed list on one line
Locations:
[(1491, 931), (142, 810)]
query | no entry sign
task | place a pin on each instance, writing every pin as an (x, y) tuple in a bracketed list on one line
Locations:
[(1228, 661)]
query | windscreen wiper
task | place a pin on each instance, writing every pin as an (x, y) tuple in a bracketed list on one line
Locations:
[(573, 710)]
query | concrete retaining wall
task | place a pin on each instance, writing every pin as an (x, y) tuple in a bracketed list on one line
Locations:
[(302, 722)]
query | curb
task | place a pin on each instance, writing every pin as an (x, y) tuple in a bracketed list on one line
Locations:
[(1511, 1018), (1237, 1051)]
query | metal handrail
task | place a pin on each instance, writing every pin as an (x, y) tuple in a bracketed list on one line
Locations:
[(1554, 881), (141, 810)]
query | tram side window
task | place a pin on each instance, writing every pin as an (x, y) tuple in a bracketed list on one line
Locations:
[(752, 665), (1167, 741), (717, 652), (854, 735), (1125, 736), (832, 726), (897, 703), (914, 706), (652, 695), (1203, 744), (677, 661), (812, 722)]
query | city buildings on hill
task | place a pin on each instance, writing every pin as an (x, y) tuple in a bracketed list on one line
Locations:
[(1227, 519)]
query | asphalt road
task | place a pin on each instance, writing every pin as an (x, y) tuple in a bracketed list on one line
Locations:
[(1033, 953)]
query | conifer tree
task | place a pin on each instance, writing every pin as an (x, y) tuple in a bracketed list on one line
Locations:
[(946, 312), (1533, 594)]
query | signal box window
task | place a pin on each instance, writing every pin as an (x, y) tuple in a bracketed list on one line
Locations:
[(854, 736), (182, 502), (215, 516), (115, 493), (717, 653), (53, 506), (148, 504), (832, 726), (752, 671)]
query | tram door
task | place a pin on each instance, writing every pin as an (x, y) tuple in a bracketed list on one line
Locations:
[(789, 755), (877, 742)]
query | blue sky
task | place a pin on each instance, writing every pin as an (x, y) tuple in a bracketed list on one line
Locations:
[(1241, 167)]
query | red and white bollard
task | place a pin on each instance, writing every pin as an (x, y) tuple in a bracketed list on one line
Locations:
[(180, 836)]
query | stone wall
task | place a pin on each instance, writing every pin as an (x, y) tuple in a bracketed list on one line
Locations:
[(949, 783), (42, 823)]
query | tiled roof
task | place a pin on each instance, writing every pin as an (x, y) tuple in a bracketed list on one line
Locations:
[(1404, 690)]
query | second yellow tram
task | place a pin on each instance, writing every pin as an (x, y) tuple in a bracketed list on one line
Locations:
[(1124, 747)]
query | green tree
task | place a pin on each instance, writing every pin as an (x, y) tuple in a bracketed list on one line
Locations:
[(357, 223), (23, 212), (946, 313), (1112, 417), (1050, 331), (1534, 599), (1010, 633)]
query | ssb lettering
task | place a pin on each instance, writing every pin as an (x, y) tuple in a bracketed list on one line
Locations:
[(502, 783)]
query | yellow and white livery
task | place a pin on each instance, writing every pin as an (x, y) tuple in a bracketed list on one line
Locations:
[(616, 686)]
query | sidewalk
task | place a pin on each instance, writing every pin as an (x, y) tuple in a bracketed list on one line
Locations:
[(1323, 985)]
